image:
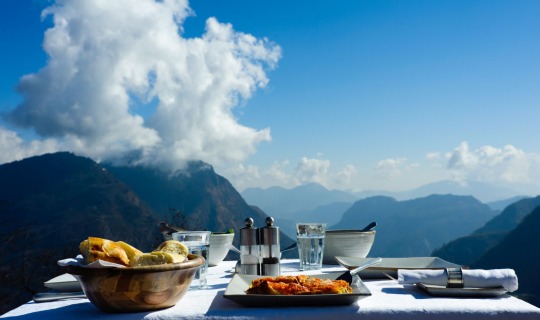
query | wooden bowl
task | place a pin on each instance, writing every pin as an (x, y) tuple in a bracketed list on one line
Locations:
[(137, 288)]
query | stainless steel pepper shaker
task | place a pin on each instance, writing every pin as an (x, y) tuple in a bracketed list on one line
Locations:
[(270, 250), (250, 256)]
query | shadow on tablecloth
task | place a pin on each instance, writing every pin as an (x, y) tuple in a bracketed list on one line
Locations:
[(222, 307), (80, 311)]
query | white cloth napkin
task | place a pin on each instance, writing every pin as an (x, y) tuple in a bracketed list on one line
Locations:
[(79, 262), (473, 278)]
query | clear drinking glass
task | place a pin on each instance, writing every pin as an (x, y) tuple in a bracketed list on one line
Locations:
[(198, 242), (310, 239)]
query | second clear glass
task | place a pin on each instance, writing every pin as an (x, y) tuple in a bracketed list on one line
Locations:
[(310, 239), (198, 242)]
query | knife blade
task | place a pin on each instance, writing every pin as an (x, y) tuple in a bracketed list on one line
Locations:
[(53, 296)]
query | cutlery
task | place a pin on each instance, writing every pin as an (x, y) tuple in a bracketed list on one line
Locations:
[(389, 276), (233, 248), (292, 246), (370, 226), (53, 296), (348, 275)]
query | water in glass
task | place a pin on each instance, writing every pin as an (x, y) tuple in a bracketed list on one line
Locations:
[(310, 251)]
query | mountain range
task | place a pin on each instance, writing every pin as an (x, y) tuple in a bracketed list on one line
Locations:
[(313, 202), (281, 202), (468, 249), (482, 191), (414, 228), (518, 250)]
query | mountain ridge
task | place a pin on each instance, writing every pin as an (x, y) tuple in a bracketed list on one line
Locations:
[(194, 198), (286, 203), (514, 252), (49, 205), (415, 227), (481, 191), (281, 202), (467, 249)]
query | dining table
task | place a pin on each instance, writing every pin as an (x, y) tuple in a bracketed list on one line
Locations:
[(387, 300)]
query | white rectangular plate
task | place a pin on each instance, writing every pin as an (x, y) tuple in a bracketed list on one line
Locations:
[(64, 282), (390, 266), (236, 291)]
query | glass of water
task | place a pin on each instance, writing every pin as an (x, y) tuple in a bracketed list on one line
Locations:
[(310, 239), (198, 243)]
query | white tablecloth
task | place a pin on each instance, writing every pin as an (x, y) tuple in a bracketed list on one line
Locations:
[(389, 300)]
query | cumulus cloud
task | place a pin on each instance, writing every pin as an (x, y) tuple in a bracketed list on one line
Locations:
[(390, 168), (15, 148), (278, 173), (110, 62), (433, 156), (345, 176), (312, 170), (490, 164)]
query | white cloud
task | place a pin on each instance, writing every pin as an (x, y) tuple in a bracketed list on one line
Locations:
[(15, 148), (433, 155), (278, 174), (312, 170), (282, 174), (490, 164), (461, 158), (390, 168), (345, 177), (108, 57)]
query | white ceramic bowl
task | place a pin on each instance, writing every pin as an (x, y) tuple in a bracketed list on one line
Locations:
[(220, 244), (347, 243)]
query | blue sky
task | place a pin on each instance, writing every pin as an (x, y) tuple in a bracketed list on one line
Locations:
[(353, 95)]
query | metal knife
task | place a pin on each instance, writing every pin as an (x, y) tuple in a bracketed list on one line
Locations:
[(53, 296)]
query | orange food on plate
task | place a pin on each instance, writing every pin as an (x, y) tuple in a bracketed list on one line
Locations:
[(296, 285)]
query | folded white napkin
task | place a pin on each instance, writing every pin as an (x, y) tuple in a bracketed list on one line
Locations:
[(474, 278), (79, 262)]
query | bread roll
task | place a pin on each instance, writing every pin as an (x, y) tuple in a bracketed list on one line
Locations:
[(173, 246), (130, 250), (95, 248), (155, 258)]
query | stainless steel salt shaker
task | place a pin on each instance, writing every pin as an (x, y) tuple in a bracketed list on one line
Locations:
[(270, 250), (250, 256)]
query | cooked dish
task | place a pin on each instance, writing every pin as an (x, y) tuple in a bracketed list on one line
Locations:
[(296, 285)]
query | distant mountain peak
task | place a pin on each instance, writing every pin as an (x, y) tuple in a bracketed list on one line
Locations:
[(281, 202), (198, 165), (482, 191), (312, 186)]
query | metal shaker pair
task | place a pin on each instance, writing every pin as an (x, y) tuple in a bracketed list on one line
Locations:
[(259, 249)]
